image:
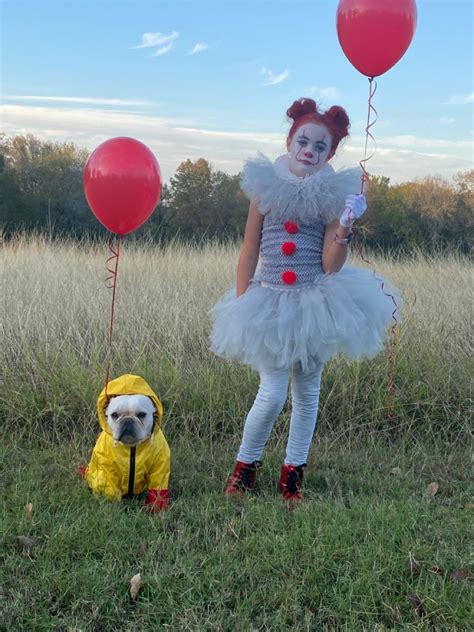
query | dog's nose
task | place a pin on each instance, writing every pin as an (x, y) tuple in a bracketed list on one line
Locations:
[(127, 428)]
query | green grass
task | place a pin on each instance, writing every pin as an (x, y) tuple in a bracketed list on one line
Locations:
[(339, 561)]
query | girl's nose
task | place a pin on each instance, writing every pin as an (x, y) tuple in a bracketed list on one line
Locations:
[(308, 154)]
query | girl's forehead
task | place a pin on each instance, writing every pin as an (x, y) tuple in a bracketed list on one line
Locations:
[(313, 131)]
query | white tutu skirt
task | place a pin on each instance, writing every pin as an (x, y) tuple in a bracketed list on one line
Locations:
[(341, 313)]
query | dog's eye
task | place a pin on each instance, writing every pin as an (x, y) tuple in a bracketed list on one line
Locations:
[(114, 415), (141, 415)]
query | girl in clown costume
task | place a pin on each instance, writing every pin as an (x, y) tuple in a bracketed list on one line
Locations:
[(287, 316)]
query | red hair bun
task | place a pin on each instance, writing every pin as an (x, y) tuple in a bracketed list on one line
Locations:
[(300, 108)]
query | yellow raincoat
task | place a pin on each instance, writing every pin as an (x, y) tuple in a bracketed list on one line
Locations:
[(123, 471)]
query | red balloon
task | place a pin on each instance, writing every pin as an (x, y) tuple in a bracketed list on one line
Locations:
[(374, 34), (122, 184)]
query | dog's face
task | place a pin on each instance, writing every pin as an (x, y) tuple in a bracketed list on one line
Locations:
[(130, 418)]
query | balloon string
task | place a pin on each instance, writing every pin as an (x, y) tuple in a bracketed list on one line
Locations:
[(394, 327), (365, 176), (111, 282)]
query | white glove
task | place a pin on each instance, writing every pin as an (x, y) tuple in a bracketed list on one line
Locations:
[(355, 207)]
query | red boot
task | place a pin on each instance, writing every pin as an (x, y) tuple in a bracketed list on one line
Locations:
[(243, 478), (291, 481)]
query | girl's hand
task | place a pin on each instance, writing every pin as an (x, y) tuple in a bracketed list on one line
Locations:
[(355, 207)]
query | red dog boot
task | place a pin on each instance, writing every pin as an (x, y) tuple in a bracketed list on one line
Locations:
[(243, 478), (157, 500), (291, 481)]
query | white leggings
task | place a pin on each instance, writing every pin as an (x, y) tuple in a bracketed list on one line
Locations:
[(271, 397)]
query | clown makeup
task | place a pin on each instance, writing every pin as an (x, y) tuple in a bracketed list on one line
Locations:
[(309, 149)]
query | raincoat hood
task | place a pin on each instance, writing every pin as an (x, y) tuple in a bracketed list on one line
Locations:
[(127, 385)]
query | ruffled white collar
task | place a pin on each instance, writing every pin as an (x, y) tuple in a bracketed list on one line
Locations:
[(320, 195), (282, 169)]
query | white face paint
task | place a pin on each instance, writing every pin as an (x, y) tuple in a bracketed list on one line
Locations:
[(309, 149)]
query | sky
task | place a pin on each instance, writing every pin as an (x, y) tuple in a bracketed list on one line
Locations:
[(213, 79)]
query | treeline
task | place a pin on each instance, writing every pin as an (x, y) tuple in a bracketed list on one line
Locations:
[(41, 190)]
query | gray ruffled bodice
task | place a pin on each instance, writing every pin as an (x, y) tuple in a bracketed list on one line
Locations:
[(282, 252)]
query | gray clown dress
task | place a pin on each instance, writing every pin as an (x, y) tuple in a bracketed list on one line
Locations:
[(292, 312)]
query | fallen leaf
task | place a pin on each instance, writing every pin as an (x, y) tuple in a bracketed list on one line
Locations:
[(135, 585), (29, 511), (25, 543), (413, 566), (448, 492), (432, 488), (460, 575), (239, 510), (437, 570), (395, 471), (142, 548), (469, 506), (417, 604)]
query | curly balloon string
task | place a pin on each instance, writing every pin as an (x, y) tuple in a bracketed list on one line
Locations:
[(111, 283), (364, 178), (394, 327)]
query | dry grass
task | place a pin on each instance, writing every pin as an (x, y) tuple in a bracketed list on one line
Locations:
[(55, 313)]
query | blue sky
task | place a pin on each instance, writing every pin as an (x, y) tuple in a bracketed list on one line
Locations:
[(213, 79)]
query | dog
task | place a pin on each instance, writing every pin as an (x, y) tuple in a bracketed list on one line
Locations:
[(131, 455)]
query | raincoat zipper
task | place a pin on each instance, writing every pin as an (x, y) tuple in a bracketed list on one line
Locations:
[(131, 473)]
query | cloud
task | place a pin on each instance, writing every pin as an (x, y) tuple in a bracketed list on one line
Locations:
[(156, 39), (460, 99), (444, 120), (273, 80), (163, 49), (81, 100), (402, 165), (175, 140), (172, 140), (324, 93), (198, 48), (416, 142)]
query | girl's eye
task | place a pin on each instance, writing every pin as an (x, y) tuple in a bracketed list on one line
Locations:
[(303, 143), (320, 148)]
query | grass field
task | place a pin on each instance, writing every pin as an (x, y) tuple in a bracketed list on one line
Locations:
[(372, 536)]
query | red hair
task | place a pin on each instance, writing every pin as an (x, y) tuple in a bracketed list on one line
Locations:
[(306, 111)]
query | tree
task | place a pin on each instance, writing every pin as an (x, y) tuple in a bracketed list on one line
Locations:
[(191, 198), (462, 218), (41, 188), (203, 202), (48, 177), (230, 204)]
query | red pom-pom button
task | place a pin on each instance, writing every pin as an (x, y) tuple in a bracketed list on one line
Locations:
[(291, 227), (288, 277), (288, 248)]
